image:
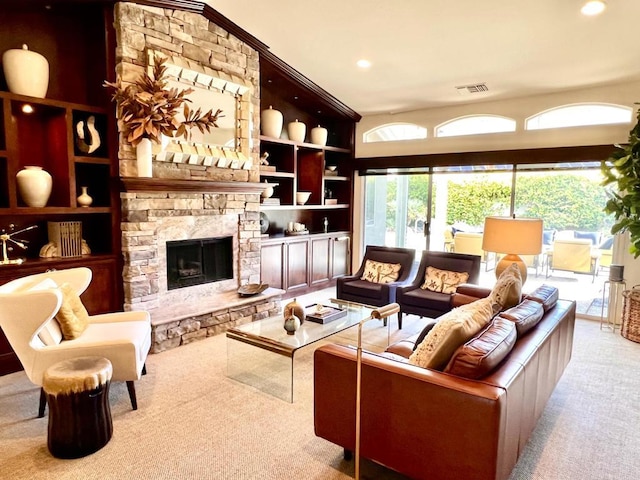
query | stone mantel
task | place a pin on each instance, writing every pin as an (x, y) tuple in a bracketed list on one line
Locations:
[(139, 184)]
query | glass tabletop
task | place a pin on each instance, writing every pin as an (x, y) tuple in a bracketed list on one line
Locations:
[(270, 334)]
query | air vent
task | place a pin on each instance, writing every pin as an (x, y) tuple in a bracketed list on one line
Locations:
[(475, 88)]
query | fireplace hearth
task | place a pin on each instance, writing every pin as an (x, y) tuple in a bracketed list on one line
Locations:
[(198, 261)]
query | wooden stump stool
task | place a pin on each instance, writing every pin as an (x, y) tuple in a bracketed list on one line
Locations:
[(77, 392)]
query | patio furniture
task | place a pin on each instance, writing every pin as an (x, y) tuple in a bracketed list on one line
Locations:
[(573, 255), (470, 243)]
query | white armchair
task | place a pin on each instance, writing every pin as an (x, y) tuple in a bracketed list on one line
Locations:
[(28, 306)]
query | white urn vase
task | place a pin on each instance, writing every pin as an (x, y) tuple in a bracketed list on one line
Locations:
[(271, 122), (297, 131), (26, 72), (143, 157), (84, 199), (34, 185), (319, 135)]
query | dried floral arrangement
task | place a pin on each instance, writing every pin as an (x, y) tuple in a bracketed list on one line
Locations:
[(148, 109)]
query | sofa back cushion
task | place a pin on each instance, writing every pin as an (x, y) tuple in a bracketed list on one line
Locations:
[(443, 281), (451, 330), (525, 315), (545, 295), (484, 352)]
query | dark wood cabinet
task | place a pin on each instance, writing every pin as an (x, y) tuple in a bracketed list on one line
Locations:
[(301, 264)]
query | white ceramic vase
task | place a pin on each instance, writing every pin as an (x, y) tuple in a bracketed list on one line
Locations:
[(84, 199), (271, 122), (26, 72), (143, 157), (34, 185), (297, 131), (319, 135)]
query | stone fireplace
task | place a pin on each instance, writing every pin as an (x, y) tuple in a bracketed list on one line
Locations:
[(192, 196), (194, 262)]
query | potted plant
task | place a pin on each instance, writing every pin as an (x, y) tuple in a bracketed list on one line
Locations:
[(622, 170), (147, 110)]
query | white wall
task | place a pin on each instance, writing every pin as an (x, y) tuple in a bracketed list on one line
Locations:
[(519, 109)]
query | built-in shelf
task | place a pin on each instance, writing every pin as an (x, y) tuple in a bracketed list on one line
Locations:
[(303, 207), (285, 141)]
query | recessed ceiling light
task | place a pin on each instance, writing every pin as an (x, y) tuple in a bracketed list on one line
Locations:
[(363, 63), (593, 7)]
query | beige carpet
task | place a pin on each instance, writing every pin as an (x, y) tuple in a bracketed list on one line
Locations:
[(195, 423)]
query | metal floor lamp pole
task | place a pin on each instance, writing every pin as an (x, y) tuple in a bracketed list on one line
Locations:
[(378, 314)]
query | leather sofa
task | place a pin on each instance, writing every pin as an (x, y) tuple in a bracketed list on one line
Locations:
[(426, 303), (439, 426)]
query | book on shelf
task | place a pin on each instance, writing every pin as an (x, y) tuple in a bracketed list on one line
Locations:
[(330, 201), (267, 168)]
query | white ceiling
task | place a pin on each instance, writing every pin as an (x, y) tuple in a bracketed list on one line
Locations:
[(422, 49)]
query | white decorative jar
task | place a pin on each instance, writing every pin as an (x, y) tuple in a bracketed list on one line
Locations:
[(143, 157), (26, 72), (84, 199), (319, 135), (297, 131), (271, 122), (34, 185)]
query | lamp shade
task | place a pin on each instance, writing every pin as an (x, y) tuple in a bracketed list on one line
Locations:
[(519, 236)]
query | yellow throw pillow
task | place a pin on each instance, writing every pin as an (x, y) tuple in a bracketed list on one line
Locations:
[(72, 316), (379, 272), (452, 330), (443, 281), (507, 292)]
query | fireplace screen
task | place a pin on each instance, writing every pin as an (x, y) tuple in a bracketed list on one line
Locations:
[(192, 262)]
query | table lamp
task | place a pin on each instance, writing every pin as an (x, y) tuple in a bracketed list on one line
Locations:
[(513, 237)]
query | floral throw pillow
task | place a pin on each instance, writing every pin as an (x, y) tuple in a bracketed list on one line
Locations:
[(379, 272), (443, 281)]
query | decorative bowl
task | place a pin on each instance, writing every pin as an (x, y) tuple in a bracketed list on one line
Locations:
[(302, 197), (332, 168), (252, 289)]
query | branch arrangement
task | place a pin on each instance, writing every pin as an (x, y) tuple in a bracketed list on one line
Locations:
[(148, 109)]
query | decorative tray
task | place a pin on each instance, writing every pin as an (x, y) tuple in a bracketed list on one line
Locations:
[(252, 289), (325, 315), (302, 232)]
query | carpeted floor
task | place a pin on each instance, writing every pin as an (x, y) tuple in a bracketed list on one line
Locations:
[(195, 423)]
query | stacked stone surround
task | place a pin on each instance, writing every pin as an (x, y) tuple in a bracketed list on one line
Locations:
[(150, 218)]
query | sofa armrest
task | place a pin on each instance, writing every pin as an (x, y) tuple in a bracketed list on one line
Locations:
[(467, 293)]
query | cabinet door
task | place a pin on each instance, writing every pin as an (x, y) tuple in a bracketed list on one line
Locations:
[(297, 264), (272, 265), (341, 256), (320, 256)]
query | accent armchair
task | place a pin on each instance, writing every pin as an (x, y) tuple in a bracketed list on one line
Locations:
[(427, 303), (28, 307), (354, 289), (573, 255)]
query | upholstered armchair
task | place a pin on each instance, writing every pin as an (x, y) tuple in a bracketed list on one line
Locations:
[(573, 255), (28, 310), (354, 289), (428, 303), (470, 243)]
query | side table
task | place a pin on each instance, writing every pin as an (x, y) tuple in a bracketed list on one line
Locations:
[(77, 392), (616, 287)]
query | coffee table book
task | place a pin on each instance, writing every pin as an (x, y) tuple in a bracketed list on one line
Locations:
[(325, 315)]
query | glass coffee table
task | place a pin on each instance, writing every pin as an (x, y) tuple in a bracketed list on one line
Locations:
[(261, 353)]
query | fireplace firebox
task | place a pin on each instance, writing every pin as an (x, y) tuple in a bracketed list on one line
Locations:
[(193, 262)]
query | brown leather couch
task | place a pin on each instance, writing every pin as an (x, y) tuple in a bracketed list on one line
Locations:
[(439, 426)]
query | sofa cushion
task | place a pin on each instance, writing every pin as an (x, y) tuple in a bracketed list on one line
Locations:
[(427, 299), (72, 316), (507, 291), (379, 272), (443, 281), (425, 331), (546, 295), (362, 288), (525, 315), (485, 351), (451, 330)]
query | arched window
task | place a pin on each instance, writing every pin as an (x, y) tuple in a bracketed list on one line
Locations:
[(475, 124), (392, 132), (578, 115)]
